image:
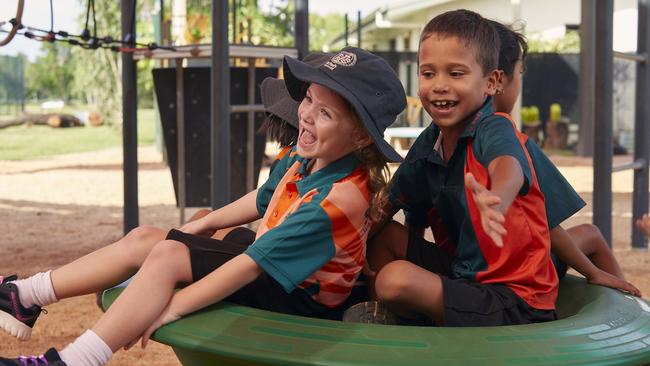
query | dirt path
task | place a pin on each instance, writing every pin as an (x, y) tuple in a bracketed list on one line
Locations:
[(55, 210), (58, 209)]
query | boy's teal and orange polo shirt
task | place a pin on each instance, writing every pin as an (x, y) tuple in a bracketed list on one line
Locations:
[(432, 193), (314, 227)]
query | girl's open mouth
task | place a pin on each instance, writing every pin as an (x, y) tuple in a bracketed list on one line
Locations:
[(307, 138)]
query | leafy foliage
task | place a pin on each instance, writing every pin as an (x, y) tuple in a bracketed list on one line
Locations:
[(271, 24), (323, 28), (52, 75), (570, 43), (98, 72)]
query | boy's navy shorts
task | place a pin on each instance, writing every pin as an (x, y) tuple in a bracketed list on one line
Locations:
[(207, 254), (469, 303), (560, 267)]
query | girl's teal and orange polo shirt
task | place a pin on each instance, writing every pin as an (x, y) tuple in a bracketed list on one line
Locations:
[(432, 194), (314, 227)]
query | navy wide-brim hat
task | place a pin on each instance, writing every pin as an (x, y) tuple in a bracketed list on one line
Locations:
[(365, 80), (277, 101)]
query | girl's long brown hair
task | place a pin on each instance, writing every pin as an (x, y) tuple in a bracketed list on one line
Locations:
[(377, 171), (376, 168)]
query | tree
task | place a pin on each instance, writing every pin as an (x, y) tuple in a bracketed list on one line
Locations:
[(52, 75), (99, 72), (271, 25), (569, 43), (323, 28)]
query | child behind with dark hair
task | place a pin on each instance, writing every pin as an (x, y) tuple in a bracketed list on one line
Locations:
[(576, 245), (469, 178), (281, 113)]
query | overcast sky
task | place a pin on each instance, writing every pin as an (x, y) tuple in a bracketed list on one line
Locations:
[(37, 14)]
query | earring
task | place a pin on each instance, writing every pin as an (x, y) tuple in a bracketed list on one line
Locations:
[(499, 91)]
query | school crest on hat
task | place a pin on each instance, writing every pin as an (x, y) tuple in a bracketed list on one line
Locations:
[(342, 58)]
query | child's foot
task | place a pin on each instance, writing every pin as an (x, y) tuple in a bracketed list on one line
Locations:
[(15, 319), (50, 358), (606, 279), (643, 225)]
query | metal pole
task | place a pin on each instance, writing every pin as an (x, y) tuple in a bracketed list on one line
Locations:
[(130, 121), (21, 65), (166, 39), (301, 19), (250, 128), (641, 124), (602, 192), (346, 30), (359, 28), (180, 138), (586, 77), (220, 110), (234, 21)]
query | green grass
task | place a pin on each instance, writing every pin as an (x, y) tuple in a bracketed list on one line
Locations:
[(23, 143), (565, 152)]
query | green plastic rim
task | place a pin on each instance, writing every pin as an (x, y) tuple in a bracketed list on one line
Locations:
[(598, 326)]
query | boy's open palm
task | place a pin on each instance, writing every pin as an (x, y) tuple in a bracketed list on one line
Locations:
[(488, 204)]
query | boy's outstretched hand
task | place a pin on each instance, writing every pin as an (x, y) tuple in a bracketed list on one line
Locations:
[(489, 205)]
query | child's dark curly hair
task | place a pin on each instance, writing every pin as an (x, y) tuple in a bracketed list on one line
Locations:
[(279, 130), (514, 47)]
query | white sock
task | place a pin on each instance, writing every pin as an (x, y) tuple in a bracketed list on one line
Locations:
[(36, 290), (87, 350)]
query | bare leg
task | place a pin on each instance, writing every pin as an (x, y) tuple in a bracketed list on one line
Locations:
[(145, 298), (591, 242), (107, 266), (388, 245), (409, 290)]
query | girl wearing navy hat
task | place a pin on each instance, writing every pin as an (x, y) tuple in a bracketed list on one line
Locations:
[(316, 209)]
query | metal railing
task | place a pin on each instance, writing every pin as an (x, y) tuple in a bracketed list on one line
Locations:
[(596, 109)]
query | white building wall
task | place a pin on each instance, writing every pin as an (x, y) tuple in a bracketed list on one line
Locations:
[(540, 16)]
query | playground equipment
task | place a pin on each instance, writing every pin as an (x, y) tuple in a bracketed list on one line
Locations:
[(596, 88), (220, 53), (597, 326), (251, 53), (15, 22), (196, 129)]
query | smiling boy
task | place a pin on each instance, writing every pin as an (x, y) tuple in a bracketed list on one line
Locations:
[(469, 179)]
